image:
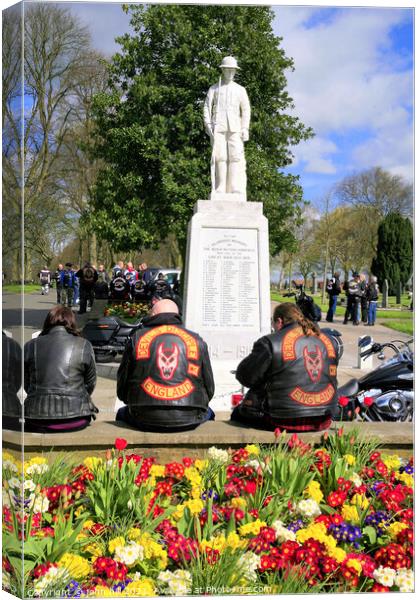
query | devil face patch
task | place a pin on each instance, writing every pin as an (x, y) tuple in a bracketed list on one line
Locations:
[(167, 360), (313, 363)]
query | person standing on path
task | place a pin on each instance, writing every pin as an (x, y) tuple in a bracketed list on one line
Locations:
[(88, 276), (333, 291), (45, 280), (372, 295)]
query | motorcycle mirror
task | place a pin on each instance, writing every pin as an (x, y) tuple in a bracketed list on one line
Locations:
[(381, 356), (366, 340)]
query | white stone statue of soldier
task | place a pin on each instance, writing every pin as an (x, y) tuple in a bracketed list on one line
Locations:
[(227, 114)]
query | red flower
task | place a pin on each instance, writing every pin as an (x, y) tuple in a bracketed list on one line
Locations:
[(277, 432), (120, 443), (368, 401), (343, 401), (377, 587)]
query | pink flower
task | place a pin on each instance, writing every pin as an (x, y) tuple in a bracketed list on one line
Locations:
[(343, 401), (368, 401)]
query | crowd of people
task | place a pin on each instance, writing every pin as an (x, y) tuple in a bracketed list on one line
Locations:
[(165, 378), (80, 286), (362, 298)]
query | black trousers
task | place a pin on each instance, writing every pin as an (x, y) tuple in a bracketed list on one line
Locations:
[(86, 293)]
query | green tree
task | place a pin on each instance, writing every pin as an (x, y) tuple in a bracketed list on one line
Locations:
[(150, 125), (394, 255)]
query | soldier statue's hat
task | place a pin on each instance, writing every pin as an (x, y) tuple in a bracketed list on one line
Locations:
[(229, 62)]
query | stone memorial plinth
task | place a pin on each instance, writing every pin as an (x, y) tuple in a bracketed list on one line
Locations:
[(227, 284)]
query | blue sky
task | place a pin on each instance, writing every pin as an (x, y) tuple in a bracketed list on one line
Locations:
[(352, 83)]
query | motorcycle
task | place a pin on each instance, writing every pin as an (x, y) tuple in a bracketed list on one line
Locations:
[(312, 312), (109, 336), (384, 394)]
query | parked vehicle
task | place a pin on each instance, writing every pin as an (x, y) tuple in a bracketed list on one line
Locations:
[(384, 394), (109, 336), (306, 303), (172, 276)]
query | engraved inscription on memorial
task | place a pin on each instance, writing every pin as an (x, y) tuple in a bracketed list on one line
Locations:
[(230, 286)]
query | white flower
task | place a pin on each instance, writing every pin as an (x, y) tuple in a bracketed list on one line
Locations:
[(5, 498), (129, 505), (355, 478), (14, 482), (164, 576), (29, 485), (53, 576), (180, 583), (136, 576), (10, 466), (37, 469), (384, 576), (250, 562), (282, 533), (309, 508), (39, 503), (404, 579), (129, 554), (218, 454), (254, 464)]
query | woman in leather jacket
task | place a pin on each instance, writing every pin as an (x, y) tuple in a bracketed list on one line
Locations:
[(59, 376)]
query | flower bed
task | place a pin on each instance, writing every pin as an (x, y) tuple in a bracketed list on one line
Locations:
[(127, 310), (282, 518)]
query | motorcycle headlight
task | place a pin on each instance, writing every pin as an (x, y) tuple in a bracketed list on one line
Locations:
[(395, 404)]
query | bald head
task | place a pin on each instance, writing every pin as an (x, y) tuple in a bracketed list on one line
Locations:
[(164, 306)]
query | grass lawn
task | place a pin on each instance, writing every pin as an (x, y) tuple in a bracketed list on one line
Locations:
[(15, 288), (394, 317)]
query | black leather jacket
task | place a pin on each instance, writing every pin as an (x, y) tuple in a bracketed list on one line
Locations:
[(60, 375), (165, 375), (291, 374), (11, 377)]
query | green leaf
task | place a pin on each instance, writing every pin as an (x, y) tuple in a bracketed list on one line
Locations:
[(371, 533)]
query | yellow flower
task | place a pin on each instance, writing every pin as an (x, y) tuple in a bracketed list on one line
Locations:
[(338, 553), (313, 490), (350, 513), (395, 528), (253, 528), (192, 474), (94, 549), (238, 502), (196, 492), (77, 566), (157, 471), (200, 464), (353, 562), (215, 543), (391, 461), (143, 587), (178, 512), (92, 462), (234, 541), (252, 449), (88, 524), (115, 543), (350, 459), (134, 533), (360, 500), (195, 506), (406, 478)]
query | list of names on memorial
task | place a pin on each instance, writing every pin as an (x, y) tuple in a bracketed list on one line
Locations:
[(230, 285)]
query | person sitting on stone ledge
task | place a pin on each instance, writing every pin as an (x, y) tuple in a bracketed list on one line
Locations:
[(165, 377), (292, 376), (60, 376), (11, 382)]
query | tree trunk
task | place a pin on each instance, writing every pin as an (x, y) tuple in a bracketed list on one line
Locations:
[(93, 249), (324, 283)]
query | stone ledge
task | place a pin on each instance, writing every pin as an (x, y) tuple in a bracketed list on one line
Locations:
[(224, 434)]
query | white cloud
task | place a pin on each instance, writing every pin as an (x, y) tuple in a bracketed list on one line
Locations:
[(348, 77), (313, 153)]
